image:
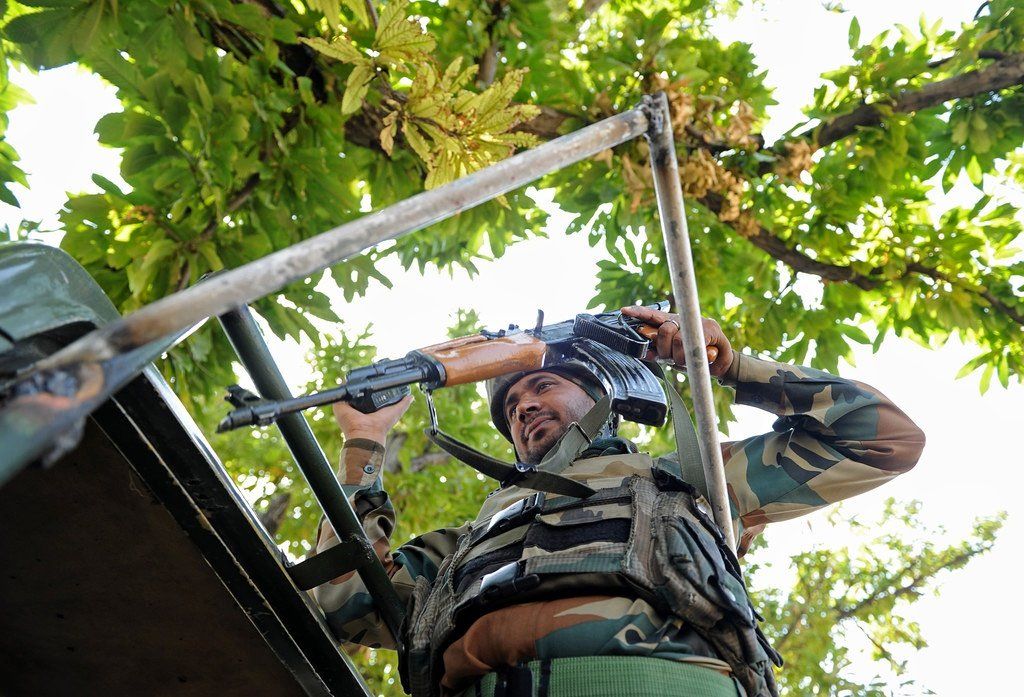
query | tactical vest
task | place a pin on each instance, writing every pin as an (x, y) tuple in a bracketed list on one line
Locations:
[(642, 534)]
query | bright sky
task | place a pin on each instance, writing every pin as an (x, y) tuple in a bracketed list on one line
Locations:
[(971, 466)]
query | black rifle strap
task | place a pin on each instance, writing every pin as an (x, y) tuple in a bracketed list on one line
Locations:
[(506, 473), (543, 477), (482, 463)]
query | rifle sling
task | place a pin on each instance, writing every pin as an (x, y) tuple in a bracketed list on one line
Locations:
[(542, 477), (687, 445)]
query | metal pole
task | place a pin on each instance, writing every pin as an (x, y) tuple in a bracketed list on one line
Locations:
[(684, 289), (220, 293), (245, 336)]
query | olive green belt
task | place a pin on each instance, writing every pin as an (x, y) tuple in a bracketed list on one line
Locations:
[(605, 676)]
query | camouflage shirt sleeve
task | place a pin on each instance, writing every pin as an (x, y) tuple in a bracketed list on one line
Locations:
[(834, 439), (346, 603)]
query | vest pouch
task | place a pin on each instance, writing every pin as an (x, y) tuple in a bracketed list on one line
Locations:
[(701, 585), (701, 567)]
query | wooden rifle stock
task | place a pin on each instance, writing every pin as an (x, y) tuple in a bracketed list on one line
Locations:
[(475, 358)]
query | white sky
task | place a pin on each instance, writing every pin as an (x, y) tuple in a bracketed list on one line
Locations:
[(971, 466)]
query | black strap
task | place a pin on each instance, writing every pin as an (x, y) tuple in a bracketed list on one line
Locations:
[(481, 462), (543, 477), (352, 552), (519, 682), (544, 685), (505, 473)]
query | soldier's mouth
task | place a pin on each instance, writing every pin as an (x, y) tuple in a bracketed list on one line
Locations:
[(536, 425)]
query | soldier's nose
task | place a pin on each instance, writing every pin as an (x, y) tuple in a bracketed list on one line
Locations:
[(526, 407)]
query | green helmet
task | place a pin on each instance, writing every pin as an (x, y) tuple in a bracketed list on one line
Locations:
[(575, 371)]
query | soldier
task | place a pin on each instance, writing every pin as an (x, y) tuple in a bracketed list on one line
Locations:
[(629, 591)]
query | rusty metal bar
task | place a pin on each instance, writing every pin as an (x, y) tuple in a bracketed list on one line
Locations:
[(240, 286), (684, 289)]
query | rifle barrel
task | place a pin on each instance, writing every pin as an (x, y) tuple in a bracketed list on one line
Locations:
[(265, 413)]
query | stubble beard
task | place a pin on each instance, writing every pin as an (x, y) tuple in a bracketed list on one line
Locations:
[(536, 450)]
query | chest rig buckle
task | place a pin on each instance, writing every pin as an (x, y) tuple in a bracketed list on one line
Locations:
[(505, 582)]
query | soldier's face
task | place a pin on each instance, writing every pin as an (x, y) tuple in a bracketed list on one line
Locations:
[(539, 409)]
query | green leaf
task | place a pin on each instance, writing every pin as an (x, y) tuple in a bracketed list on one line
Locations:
[(170, 177), (960, 131), (398, 38), (208, 250), (107, 185), (46, 37), (120, 128), (237, 128), (8, 197), (330, 9), (340, 49), (358, 8), (139, 159), (417, 142), (854, 33), (986, 378), (981, 141), (141, 272), (89, 26), (975, 172), (855, 333), (356, 87)]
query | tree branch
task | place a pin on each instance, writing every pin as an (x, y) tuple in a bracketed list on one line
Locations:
[(766, 241), (396, 441), (236, 201), (392, 446), (1003, 73), (546, 124), (883, 593), (1014, 314), (798, 617), (371, 12), (795, 259), (884, 652), (427, 459), (487, 64), (983, 54)]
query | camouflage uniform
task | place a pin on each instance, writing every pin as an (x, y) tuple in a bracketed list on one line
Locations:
[(834, 439)]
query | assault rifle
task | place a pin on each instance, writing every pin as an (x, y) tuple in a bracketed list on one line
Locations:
[(612, 343)]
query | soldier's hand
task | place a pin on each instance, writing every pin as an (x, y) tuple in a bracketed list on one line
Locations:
[(668, 344), (375, 426)]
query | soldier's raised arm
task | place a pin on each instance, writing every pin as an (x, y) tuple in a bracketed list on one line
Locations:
[(835, 438), (347, 604)]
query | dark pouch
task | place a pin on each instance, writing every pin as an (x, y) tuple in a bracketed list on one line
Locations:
[(690, 576)]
